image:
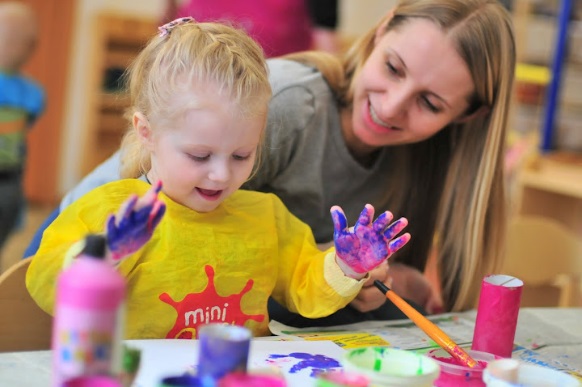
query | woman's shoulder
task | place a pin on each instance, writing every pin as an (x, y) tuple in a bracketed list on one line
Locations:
[(286, 74), (300, 94)]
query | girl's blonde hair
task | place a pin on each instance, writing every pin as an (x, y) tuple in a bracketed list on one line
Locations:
[(451, 185), (172, 64)]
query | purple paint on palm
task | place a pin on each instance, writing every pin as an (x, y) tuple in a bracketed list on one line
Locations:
[(317, 363), (369, 243)]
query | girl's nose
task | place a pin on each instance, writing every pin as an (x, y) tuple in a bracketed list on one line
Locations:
[(220, 172)]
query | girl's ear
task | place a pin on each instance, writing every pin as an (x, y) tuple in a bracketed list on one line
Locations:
[(142, 127), (381, 29)]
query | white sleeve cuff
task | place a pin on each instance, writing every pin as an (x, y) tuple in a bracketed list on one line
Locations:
[(335, 277)]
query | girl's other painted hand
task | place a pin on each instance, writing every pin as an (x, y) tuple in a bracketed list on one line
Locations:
[(414, 286), (135, 222), (368, 244)]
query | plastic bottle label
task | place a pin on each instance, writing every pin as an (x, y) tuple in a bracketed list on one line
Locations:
[(83, 342)]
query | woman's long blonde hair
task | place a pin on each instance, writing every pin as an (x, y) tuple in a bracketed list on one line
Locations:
[(170, 65), (451, 186)]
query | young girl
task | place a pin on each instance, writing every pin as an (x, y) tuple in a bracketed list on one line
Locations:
[(200, 96)]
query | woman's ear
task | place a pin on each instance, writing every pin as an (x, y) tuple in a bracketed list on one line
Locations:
[(142, 127), (381, 29), (480, 112)]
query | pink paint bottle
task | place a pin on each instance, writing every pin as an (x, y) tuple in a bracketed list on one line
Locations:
[(88, 323)]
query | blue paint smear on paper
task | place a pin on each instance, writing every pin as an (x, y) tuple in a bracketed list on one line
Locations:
[(533, 357), (317, 363)]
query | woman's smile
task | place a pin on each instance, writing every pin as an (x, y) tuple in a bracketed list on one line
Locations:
[(375, 122)]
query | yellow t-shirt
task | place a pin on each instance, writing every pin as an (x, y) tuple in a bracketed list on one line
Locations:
[(220, 266)]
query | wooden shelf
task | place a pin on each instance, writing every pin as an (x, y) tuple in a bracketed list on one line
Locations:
[(551, 186), (114, 101), (112, 122), (119, 58), (129, 30), (117, 41)]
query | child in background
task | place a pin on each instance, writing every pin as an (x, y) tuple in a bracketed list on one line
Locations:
[(200, 95), (21, 103)]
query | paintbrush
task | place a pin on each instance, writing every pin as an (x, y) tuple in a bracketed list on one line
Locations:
[(428, 327)]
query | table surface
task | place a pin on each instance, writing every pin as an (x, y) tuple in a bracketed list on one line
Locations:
[(561, 326)]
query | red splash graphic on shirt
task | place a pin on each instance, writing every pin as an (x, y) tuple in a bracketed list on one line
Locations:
[(197, 309)]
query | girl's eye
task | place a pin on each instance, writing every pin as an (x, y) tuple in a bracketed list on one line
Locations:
[(241, 157), (426, 102), (198, 157)]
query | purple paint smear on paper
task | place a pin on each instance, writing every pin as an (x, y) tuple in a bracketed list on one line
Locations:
[(317, 363)]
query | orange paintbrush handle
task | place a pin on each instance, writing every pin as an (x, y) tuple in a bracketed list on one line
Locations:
[(428, 327)]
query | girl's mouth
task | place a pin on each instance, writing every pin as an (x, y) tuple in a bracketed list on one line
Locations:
[(209, 194)]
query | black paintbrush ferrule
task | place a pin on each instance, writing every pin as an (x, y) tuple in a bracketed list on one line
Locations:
[(380, 285)]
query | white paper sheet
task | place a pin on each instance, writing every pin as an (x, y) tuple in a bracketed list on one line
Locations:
[(401, 334), (162, 358)]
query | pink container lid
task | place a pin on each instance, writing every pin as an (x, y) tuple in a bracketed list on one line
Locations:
[(241, 379), (454, 374), (92, 381)]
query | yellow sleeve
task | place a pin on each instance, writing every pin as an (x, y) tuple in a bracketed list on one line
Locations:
[(309, 280), (336, 278), (84, 216)]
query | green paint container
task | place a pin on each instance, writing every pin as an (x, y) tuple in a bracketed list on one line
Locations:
[(392, 367)]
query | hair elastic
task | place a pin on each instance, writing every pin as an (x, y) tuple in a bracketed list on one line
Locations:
[(168, 27)]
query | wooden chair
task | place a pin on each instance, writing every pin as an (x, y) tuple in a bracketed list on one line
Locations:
[(24, 326), (547, 257)]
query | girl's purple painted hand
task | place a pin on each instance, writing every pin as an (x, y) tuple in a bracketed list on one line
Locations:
[(369, 243), (135, 223)]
